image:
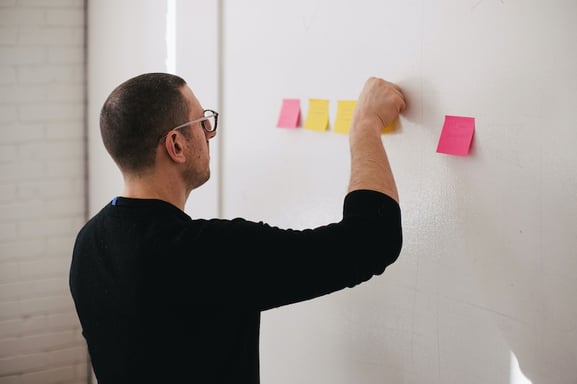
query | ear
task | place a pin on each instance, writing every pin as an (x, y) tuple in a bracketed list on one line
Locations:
[(174, 146)]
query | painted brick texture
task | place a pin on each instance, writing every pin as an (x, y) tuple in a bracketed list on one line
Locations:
[(42, 188)]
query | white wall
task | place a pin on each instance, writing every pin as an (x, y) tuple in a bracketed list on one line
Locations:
[(42, 197), (488, 273)]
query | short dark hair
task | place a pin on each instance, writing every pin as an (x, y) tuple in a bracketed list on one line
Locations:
[(137, 114)]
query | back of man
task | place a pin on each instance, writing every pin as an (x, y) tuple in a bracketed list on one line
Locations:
[(150, 305), (159, 294)]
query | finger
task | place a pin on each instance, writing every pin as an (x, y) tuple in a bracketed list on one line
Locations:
[(401, 96), (398, 88), (403, 105)]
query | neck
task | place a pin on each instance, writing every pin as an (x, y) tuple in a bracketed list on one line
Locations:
[(151, 186)]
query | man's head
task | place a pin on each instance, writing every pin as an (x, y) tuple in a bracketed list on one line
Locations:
[(137, 114)]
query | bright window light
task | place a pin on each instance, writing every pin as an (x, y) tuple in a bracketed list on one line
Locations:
[(171, 36), (515, 374)]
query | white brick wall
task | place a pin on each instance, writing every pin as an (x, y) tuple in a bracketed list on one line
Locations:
[(42, 188)]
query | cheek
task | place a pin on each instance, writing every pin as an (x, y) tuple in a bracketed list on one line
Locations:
[(199, 148), (197, 142)]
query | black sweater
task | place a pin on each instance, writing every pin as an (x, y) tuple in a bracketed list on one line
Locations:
[(164, 298)]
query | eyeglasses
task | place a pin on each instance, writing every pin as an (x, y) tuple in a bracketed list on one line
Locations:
[(208, 122)]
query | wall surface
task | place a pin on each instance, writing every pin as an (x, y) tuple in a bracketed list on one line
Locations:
[(42, 195), (484, 290)]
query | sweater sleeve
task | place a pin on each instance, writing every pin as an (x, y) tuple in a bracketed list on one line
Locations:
[(371, 204), (304, 264), (378, 216)]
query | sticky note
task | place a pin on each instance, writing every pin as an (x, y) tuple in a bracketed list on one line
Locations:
[(389, 128), (345, 109), (456, 135), (318, 115), (290, 114)]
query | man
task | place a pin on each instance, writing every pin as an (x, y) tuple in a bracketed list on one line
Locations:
[(164, 298)]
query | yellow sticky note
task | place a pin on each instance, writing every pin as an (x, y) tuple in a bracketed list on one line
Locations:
[(317, 115), (389, 128), (345, 109)]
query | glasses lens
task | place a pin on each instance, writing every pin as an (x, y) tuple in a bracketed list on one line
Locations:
[(209, 124)]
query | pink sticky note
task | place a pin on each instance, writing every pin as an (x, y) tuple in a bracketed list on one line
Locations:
[(290, 114), (456, 135)]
